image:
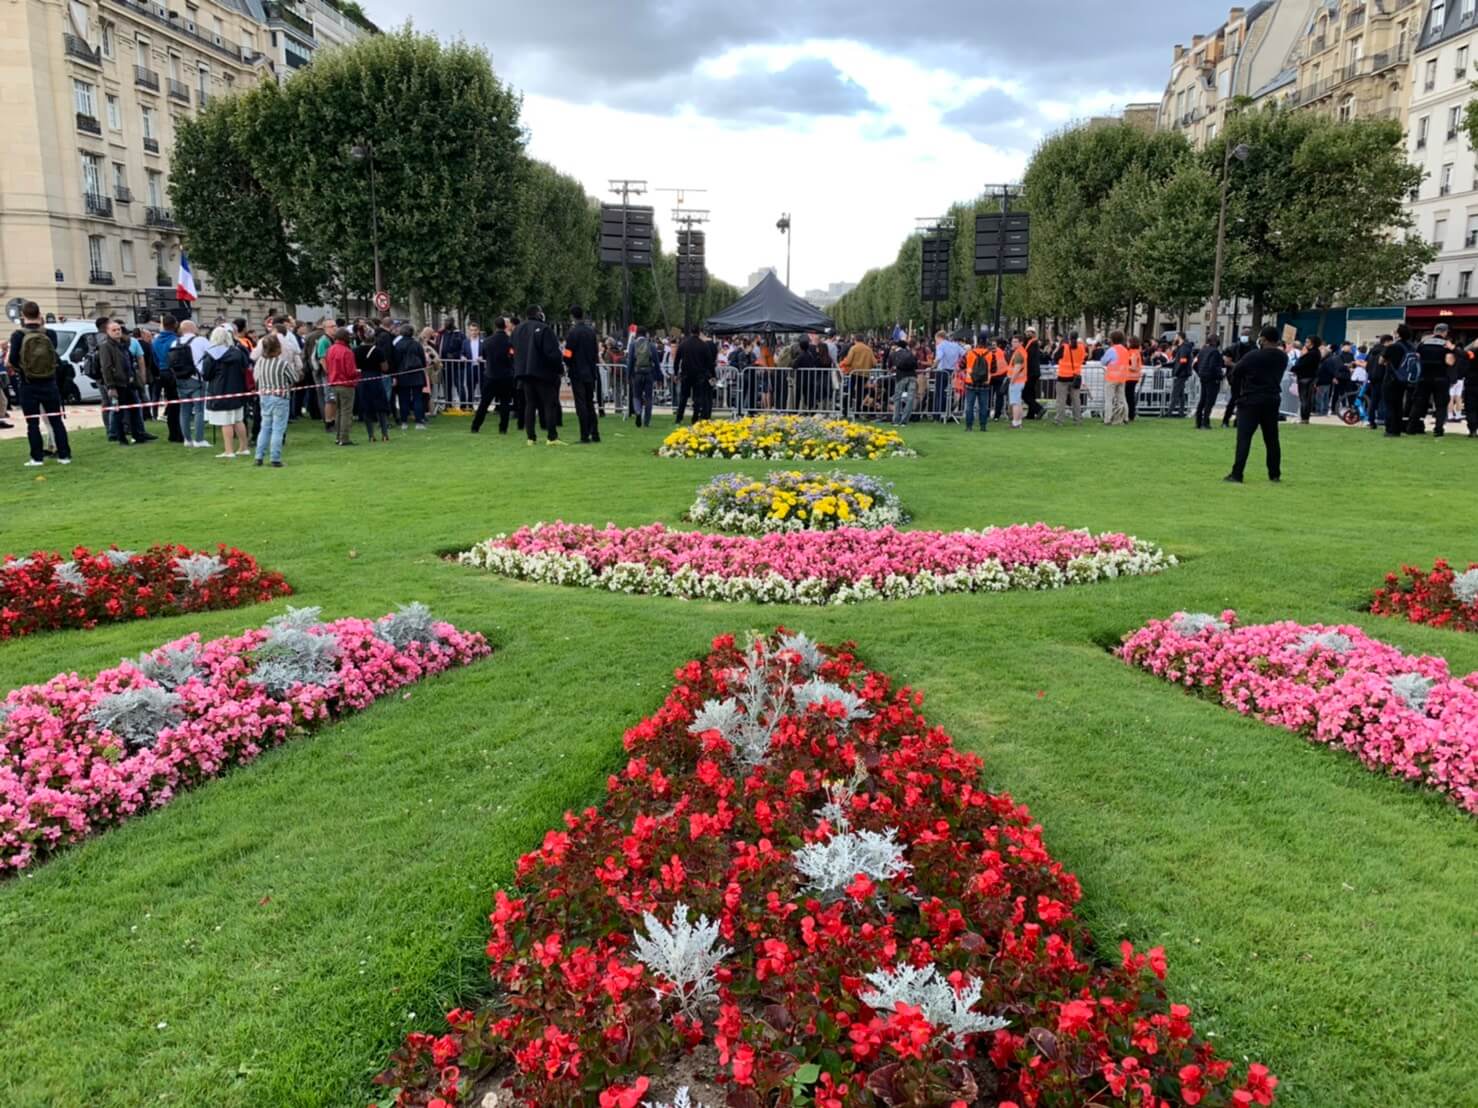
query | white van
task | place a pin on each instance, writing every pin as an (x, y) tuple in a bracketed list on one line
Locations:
[(75, 339)]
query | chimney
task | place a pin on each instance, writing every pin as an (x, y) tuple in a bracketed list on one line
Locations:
[(1196, 40), (1179, 51), (1235, 16)]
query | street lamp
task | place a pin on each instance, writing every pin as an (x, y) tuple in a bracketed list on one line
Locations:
[(364, 152), (783, 226), (1241, 152)]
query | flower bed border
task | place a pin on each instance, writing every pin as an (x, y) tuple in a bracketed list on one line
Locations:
[(1403, 716), (741, 797), (1429, 597), (44, 591), (1115, 556), (65, 775)]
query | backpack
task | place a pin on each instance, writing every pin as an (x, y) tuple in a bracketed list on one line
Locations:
[(90, 368), (1409, 371), (180, 362), (643, 358), (37, 357)]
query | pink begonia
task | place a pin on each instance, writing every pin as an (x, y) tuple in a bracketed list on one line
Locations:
[(1344, 698), (63, 778)]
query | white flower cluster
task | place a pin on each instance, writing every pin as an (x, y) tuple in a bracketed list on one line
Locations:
[(1413, 688), (1332, 641), (1465, 586), (831, 866), (1193, 623), (686, 954), (552, 568), (197, 569), (137, 716), (951, 1012)]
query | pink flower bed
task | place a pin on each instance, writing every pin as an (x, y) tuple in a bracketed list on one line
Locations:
[(76, 756), (1403, 715), (810, 566)]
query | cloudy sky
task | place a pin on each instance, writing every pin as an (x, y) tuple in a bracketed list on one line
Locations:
[(855, 116)]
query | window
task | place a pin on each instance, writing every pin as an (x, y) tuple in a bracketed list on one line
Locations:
[(147, 114), (156, 189), (1431, 78), (141, 52), (1347, 109), (1446, 181), (1467, 12), (1211, 132), (1472, 237), (125, 256), (202, 76), (1439, 14), (92, 175), (1439, 234), (1462, 62), (95, 253), (161, 264), (1423, 125), (115, 113), (107, 37), (1431, 286), (120, 180), (1355, 50), (84, 96), (1454, 120), (174, 67), (1465, 283)]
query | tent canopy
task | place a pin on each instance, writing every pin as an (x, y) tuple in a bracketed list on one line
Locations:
[(769, 306)]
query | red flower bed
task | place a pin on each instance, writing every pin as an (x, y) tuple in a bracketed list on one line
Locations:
[(743, 798), (48, 591), (1441, 597)]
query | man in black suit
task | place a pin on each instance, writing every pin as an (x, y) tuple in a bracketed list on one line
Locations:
[(582, 358), (537, 360)]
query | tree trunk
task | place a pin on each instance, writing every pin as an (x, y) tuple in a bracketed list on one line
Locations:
[(1257, 310), (418, 309)]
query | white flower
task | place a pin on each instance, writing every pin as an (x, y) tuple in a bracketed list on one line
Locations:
[(1465, 586), (949, 1011), (831, 866), (686, 954)]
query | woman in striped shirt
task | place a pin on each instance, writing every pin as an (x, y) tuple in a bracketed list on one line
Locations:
[(276, 376)]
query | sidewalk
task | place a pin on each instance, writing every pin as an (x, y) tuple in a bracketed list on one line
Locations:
[(79, 417)]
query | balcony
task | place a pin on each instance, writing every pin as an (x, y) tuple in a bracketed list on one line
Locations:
[(1318, 45), (1471, 241), (159, 217), (145, 78), (123, 194), (97, 204), (77, 48), (151, 145), (154, 13), (100, 277), (89, 124), (178, 90), (1355, 19), (280, 15)]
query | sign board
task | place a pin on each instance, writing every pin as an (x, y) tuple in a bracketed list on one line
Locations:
[(382, 301)]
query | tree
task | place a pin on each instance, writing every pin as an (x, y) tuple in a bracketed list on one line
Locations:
[(1175, 258)]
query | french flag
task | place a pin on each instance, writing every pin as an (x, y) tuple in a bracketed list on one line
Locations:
[(184, 284)]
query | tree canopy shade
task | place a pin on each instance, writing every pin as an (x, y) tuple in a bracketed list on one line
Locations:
[(769, 306)]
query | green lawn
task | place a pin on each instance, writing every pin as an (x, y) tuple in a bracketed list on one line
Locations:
[(266, 939)]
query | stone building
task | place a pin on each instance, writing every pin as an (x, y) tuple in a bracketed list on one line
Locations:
[(1354, 57)]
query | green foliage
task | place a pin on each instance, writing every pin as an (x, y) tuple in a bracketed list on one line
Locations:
[(1176, 259)]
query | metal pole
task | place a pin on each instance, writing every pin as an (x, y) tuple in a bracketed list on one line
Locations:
[(1221, 240), (787, 250), (375, 221), (625, 267), (1001, 261)]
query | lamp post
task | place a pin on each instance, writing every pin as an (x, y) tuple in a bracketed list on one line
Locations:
[(1240, 152), (364, 152), (783, 226)]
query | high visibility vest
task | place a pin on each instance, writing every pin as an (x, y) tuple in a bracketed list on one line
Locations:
[(1118, 371), (1018, 368), (1136, 365), (1070, 364)]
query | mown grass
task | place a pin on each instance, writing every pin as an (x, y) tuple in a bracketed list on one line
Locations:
[(268, 938)]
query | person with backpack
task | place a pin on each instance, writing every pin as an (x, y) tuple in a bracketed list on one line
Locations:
[(978, 362), (643, 370), (1210, 367), (160, 346), (33, 357), (1403, 368), (183, 363), (1436, 356)]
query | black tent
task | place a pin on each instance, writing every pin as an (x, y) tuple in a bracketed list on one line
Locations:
[(768, 307)]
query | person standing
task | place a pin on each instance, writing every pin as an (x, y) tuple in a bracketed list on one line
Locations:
[(642, 369), (1134, 375), (451, 348), (1210, 368), (1306, 373), (409, 362), (276, 374), (1468, 367), (905, 367), (582, 355), (1261, 374), (1375, 386), (1183, 361), (949, 356), (343, 376), (224, 370), (1116, 367), (1071, 357), (184, 362), (320, 362), (371, 398), (33, 357), (164, 343), (1031, 388), (1438, 357), (536, 366), (978, 361), (1400, 358), (856, 366), (474, 354), (497, 378), (120, 377), (693, 365)]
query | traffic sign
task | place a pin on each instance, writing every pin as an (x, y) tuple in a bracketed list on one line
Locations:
[(382, 301)]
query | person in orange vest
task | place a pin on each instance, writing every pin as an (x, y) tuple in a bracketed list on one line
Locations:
[(1018, 377), (1136, 375), (1117, 365), (980, 361), (1071, 356)]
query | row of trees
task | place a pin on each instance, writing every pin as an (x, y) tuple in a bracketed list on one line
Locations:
[(273, 200), (1123, 219)]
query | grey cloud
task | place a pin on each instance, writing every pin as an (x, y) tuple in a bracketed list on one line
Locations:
[(808, 87), (992, 116)]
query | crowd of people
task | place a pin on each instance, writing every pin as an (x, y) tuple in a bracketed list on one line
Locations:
[(252, 382)]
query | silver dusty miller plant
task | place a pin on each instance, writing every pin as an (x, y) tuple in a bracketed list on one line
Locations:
[(810, 654), (1332, 641), (290, 656), (117, 558), (686, 954), (1465, 586), (171, 666), (70, 576), (297, 619), (831, 866), (137, 715), (411, 623), (817, 691), (951, 1012), (17, 564), (1413, 688), (197, 569), (680, 1099), (1193, 623), (839, 796)]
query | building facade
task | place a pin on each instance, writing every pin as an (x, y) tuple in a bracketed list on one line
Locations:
[(1445, 204), (94, 91), (1247, 56), (1354, 58)]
